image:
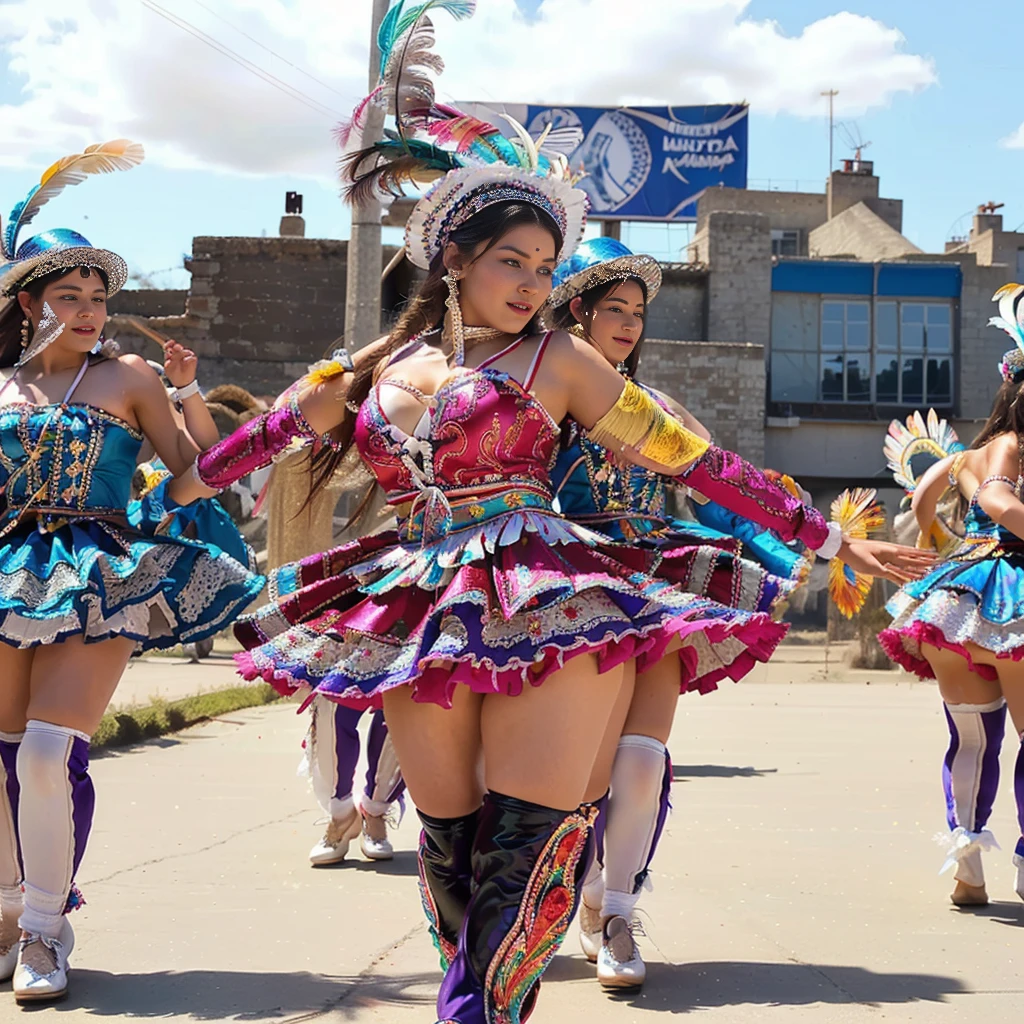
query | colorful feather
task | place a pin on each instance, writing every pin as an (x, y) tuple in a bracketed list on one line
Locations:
[(398, 21), (524, 143), (394, 163), (103, 158), (859, 515), (913, 446)]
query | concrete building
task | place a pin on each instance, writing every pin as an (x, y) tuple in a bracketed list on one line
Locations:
[(799, 326)]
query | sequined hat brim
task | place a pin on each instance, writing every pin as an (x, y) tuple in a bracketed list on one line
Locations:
[(645, 268), (15, 276)]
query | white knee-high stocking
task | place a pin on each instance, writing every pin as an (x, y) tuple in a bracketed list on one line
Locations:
[(55, 816), (641, 778)]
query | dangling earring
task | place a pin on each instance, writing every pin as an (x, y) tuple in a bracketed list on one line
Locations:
[(578, 331), (458, 328), (25, 326)]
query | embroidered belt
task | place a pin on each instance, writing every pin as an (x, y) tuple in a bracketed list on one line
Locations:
[(434, 514), (633, 526)]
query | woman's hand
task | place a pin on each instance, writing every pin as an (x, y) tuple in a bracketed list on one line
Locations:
[(179, 364), (888, 561)]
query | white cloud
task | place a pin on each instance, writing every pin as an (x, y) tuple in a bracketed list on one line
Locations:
[(1015, 140), (94, 69)]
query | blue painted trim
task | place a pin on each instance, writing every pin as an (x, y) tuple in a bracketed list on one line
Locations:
[(908, 280), (823, 278), (836, 277)]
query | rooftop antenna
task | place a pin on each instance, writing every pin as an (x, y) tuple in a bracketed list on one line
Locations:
[(852, 137)]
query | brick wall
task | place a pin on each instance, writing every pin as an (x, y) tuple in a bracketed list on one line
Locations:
[(680, 310), (739, 300), (149, 302), (721, 383), (259, 309)]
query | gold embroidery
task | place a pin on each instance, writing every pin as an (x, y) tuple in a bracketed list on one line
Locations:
[(637, 421)]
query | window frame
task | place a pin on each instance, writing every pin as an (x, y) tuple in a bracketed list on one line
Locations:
[(830, 406)]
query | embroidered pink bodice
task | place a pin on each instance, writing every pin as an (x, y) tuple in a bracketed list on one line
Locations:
[(481, 431)]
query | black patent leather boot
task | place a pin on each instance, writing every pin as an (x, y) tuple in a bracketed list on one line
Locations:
[(446, 873), (528, 863)]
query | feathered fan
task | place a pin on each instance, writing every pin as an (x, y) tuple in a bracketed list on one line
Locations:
[(119, 155), (859, 515)]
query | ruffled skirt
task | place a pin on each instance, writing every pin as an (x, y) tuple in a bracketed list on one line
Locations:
[(101, 578), (493, 606), (978, 600)]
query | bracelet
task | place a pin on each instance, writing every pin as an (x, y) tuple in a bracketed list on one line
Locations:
[(180, 394), (833, 542)]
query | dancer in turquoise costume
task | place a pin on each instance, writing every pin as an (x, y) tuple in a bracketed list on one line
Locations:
[(86, 577), (493, 630), (963, 623), (602, 294)]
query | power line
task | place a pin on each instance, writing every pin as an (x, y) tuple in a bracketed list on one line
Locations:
[(273, 53), (248, 65)]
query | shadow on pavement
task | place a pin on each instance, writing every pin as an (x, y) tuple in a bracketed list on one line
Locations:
[(685, 987), (404, 863), (1001, 911), (718, 771), (240, 995)]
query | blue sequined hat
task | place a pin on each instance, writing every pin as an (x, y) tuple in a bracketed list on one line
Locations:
[(600, 260), (62, 248)]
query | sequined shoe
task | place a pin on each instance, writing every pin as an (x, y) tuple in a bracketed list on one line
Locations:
[(333, 848), (374, 839), (590, 931), (41, 974), (619, 964)]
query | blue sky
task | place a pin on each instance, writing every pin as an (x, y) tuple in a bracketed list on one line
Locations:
[(938, 148)]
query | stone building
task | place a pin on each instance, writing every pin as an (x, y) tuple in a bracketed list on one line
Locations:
[(801, 324)]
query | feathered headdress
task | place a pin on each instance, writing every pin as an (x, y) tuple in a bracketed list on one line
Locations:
[(913, 446), (1010, 320), (62, 247), (426, 141)]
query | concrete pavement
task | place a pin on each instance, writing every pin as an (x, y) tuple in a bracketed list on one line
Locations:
[(797, 880)]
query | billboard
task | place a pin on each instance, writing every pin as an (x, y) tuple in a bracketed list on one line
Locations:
[(642, 163)]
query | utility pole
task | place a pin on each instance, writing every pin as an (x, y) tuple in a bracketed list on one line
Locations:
[(831, 94), (362, 288)]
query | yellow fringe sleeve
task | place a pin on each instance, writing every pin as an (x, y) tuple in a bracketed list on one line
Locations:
[(637, 421)]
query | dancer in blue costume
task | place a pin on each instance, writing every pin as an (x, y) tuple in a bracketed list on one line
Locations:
[(602, 293), (84, 579), (963, 624)]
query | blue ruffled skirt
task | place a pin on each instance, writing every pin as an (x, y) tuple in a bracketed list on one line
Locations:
[(166, 574), (976, 599)]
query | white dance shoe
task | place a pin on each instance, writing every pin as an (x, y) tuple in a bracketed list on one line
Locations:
[(619, 964), (374, 840), (590, 931), (41, 974), (333, 848)]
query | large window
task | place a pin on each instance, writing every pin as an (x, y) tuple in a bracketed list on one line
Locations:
[(845, 352), (913, 353), (855, 351)]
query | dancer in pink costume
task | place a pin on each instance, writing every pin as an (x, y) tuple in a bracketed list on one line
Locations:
[(489, 626)]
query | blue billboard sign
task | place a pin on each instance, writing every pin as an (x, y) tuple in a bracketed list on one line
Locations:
[(643, 163)]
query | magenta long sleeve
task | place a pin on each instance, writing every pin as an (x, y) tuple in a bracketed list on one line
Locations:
[(735, 484), (254, 445)]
